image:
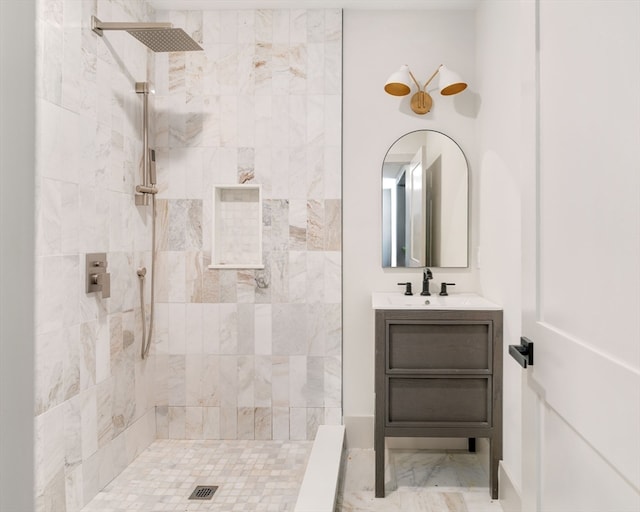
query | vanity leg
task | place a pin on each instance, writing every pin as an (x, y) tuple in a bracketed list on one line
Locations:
[(472, 444), (379, 465), (380, 412), (495, 454)]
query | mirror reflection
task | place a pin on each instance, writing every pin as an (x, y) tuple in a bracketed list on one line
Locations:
[(425, 202)]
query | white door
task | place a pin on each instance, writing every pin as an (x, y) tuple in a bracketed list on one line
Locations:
[(417, 208), (581, 244)]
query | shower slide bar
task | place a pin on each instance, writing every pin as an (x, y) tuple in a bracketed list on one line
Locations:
[(148, 188), (148, 155)]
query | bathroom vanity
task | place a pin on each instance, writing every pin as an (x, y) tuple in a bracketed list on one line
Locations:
[(438, 372)]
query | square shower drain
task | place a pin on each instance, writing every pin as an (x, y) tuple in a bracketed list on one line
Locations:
[(203, 492)]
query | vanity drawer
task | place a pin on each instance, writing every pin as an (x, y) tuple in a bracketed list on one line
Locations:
[(433, 346), (428, 400)]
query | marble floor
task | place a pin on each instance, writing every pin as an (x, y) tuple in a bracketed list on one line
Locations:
[(417, 481), (266, 475), (261, 476)]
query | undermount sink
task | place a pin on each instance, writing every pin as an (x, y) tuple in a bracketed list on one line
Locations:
[(397, 300)]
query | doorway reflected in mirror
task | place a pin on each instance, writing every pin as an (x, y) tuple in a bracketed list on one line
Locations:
[(425, 202)]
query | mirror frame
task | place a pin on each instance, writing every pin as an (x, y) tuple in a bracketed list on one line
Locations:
[(468, 204)]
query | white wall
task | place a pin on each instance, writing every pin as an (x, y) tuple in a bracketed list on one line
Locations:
[(376, 43), (17, 205), (499, 153)]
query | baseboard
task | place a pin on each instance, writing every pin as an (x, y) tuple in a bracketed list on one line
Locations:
[(359, 432), (510, 500)]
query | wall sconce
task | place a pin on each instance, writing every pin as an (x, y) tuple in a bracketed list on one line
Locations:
[(399, 84)]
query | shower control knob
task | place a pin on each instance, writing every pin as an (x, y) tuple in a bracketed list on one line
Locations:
[(97, 277), (103, 281)]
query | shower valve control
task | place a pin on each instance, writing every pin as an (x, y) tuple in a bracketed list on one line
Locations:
[(98, 279)]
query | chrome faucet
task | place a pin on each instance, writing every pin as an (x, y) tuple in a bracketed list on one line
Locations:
[(426, 276)]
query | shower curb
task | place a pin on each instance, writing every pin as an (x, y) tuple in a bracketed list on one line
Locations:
[(319, 487)]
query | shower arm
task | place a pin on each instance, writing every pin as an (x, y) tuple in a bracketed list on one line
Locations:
[(98, 26)]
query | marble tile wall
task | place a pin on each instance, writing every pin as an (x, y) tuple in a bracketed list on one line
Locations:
[(238, 354), (250, 354), (95, 406)]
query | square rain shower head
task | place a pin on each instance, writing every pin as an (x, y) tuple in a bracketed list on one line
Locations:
[(166, 39)]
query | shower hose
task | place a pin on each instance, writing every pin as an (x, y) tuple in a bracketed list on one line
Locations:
[(146, 336)]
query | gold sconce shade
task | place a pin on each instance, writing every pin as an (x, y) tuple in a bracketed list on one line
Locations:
[(450, 82), (399, 84)]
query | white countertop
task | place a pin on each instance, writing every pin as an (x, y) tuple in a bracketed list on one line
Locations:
[(397, 300)]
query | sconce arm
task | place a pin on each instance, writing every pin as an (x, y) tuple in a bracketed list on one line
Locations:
[(431, 77), (414, 79)]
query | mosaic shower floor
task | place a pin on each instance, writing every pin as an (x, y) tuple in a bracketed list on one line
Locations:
[(266, 475), (251, 476)]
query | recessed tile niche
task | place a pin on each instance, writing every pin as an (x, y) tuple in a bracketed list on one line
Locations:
[(237, 227)]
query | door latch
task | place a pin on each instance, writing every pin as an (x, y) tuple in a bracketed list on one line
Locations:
[(522, 353)]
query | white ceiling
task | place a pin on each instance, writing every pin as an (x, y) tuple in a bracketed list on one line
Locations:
[(312, 4)]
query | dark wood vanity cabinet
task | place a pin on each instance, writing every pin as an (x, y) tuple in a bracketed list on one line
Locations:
[(438, 373)]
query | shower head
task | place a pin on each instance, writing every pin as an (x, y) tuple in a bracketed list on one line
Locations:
[(166, 39), (159, 37)]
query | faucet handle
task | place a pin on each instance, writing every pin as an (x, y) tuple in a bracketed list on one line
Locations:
[(408, 290), (443, 288), (103, 282)]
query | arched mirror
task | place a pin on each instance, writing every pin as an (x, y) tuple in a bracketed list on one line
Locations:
[(425, 202)]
